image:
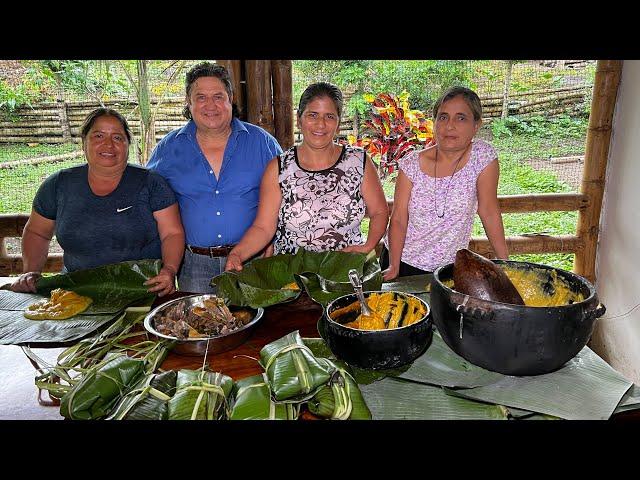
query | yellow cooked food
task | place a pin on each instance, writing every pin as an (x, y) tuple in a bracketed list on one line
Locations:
[(537, 290), (290, 286), (391, 310), (62, 304)]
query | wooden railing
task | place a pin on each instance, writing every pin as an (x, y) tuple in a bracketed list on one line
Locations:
[(12, 226)]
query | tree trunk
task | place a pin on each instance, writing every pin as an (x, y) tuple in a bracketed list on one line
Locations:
[(259, 94), (147, 124), (282, 102), (62, 109), (505, 91)]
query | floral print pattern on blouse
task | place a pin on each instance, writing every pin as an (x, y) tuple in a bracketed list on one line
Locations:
[(320, 210)]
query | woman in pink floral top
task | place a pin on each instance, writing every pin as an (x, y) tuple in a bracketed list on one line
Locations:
[(440, 189)]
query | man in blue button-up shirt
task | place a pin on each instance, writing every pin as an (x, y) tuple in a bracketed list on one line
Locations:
[(214, 164)]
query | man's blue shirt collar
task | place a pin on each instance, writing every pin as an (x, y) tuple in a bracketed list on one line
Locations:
[(236, 127)]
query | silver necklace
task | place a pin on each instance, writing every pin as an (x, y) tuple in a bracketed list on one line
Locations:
[(435, 183)]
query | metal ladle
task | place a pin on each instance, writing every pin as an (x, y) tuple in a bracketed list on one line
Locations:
[(357, 286)]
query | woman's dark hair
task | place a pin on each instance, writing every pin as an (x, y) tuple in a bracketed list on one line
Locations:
[(321, 89), (208, 69), (468, 95), (103, 112)]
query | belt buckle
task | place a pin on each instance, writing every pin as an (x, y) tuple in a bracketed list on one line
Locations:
[(189, 248)]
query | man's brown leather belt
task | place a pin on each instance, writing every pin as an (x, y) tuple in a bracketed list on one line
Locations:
[(220, 251)]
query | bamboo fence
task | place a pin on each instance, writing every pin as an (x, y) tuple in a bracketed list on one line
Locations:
[(41, 123)]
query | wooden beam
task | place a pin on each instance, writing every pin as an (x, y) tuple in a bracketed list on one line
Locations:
[(542, 202), (531, 244), (283, 101), (12, 264), (235, 71), (605, 92), (12, 224), (259, 94)]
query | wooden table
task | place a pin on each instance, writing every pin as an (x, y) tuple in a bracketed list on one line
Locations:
[(278, 321)]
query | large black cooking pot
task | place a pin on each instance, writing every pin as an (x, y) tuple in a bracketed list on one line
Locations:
[(515, 339), (374, 349)]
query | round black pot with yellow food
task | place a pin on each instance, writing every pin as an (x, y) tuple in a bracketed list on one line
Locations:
[(374, 349), (518, 339)]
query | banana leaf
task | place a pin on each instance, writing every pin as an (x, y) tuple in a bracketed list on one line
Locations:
[(148, 400), (441, 366), (362, 376), (340, 399), (111, 287), (102, 388), (15, 329), (410, 284), (294, 372), (200, 395), (397, 399), (322, 275), (585, 388), (630, 400), (254, 402)]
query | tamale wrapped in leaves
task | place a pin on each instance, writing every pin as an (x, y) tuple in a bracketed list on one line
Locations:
[(101, 389), (254, 402), (149, 400), (200, 395), (294, 372), (340, 399)]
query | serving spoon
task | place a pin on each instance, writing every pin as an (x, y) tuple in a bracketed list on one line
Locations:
[(357, 286)]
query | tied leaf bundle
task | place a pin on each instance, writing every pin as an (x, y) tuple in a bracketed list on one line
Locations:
[(98, 392), (340, 399), (253, 402), (148, 400), (200, 395), (294, 372)]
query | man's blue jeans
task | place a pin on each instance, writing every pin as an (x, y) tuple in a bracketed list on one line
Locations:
[(198, 270)]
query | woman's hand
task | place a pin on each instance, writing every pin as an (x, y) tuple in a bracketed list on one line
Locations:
[(26, 283), (357, 249), (390, 273), (164, 283), (234, 262)]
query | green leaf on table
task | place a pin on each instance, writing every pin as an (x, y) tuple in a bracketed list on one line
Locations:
[(585, 388), (323, 275), (111, 287), (397, 399)]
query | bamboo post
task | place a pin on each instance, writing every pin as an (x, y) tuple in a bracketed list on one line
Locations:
[(259, 94), (283, 101), (605, 91)]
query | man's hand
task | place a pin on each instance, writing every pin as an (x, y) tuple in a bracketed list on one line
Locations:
[(233, 262)]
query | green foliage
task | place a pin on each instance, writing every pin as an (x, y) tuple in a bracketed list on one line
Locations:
[(18, 185), (10, 152), (392, 130), (561, 126), (12, 98), (424, 80)]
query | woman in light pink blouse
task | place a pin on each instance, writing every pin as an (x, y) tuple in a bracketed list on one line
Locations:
[(440, 189)]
